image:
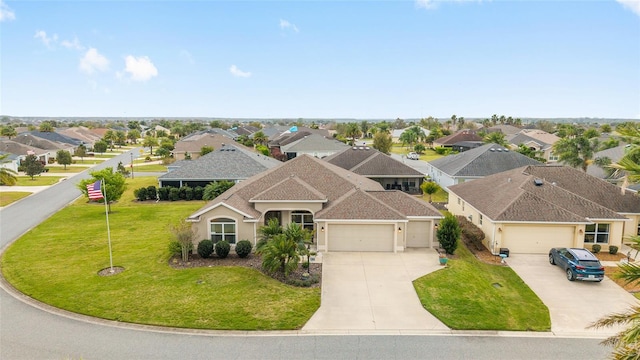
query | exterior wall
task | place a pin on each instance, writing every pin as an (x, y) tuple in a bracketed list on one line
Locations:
[(263, 207), (11, 165), (244, 230), (631, 227), (442, 179)]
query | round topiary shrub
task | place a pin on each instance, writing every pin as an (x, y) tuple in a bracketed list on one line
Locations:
[(613, 249), (205, 248), (222, 249), (243, 248), (596, 248)]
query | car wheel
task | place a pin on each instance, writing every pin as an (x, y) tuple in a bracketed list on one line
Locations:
[(551, 261), (570, 275)]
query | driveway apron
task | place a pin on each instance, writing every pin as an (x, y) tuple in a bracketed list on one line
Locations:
[(374, 291), (573, 305)]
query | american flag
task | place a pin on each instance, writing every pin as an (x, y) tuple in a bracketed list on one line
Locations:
[(94, 191)]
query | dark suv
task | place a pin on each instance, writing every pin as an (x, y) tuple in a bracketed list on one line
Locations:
[(578, 264)]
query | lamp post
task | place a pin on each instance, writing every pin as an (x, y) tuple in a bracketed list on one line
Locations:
[(131, 153)]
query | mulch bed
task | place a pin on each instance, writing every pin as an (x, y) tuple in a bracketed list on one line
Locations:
[(483, 254), (252, 261)]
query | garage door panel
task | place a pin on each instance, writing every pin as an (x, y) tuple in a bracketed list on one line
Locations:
[(536, 239), (418, 233), (343, 237)]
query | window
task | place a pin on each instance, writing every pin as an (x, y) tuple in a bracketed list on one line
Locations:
[(223, 229), (458, 201), (553, 157), (480, 220), (303, 218), (638, 231), (596, 234)]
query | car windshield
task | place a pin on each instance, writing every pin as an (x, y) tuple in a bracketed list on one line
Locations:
[(591, 263)]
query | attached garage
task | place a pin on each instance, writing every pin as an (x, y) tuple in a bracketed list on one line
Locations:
[(536, 239), (357, 237), (419, 234)]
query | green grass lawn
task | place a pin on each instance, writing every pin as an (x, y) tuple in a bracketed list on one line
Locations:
[(69, 169), (427, 155), (464, 297), (8, 197), (38, 180), (58, 261), (440, 196), (150, 168), (88, 160)]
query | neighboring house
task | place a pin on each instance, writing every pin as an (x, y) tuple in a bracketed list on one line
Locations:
[(86, 136), (462, 135), (534, 208), (613, 154), (11, 162), (228, 162), (313, 144), (22, 150), (507, 130), (193, 144), (51, 147), (396, 133), (345, 211), (537, 140), (389, 172), (56, 138), (476, 163), (463, 146), (246, 130)]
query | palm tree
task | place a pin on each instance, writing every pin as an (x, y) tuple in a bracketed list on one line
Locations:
[(7, 176), (260, 138), (576, 152), (496, 137), (267, 232), (352, 130)]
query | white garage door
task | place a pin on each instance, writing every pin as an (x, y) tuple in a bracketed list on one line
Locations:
[(418, 233), (536, 239), (360, 237)]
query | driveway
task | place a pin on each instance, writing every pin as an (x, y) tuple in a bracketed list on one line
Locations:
[(374, 291), (573, 305)]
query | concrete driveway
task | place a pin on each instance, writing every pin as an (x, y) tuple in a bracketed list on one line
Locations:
[(374, 291), (573, 305)]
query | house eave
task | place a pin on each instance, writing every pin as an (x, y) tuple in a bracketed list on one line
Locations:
[(288, 201)]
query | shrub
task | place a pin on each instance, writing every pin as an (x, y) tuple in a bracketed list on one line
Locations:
[(175, 249), (197, 192), (312, 279), (222, 249), (613, 249), (596, 248), (188, 193), (152, 193), (449, 233), (243, 248), (163, 193), (205, 248), (183, 192), (148, 158), (174, 194), (140, 194)]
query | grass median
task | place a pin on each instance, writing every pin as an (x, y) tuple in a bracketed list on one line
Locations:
[(9, 197), (58, 261), (471, 295)]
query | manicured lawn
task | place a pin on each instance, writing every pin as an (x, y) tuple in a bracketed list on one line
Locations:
[(37, 180), (88, 160), (427, 155), (440, 196), (58, 261), (464, 297), (69, 169), (7, 198), (150, 168)]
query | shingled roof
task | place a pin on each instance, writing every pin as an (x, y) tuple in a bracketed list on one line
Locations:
[(313, 142), (556, 194), (485, 160), (370, 162), (462, 135)]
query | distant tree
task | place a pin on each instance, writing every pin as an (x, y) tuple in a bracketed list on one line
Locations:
[(496, 137), (352, 130), (545, 125), (408, 138), (163, 153), (205, 150), (113, 184), (215, 188), (46, 126), (534, 154), (150, 142), (100, 147), (608, 144), (109, 137), (576, 152), (430, 188), (364, 128), (259, 138), (63, 157), (184, 234), (161, 133), (133, 136), (217, 124), (448, 233), (382, 142), (245, 140), (81, 152), (419, 148), (32, 166), (7, 176), (8, 131), (134, 125), (605, 128), (591, 133), (399, 124), (384, 127), (166, 143), (121, 138), (263, 150), (123, 170)]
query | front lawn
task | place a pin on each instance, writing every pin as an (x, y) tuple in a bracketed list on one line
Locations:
[(440, 196), (471, 295), (70, 169), (7, 198), (148, 168), (427, 155), (58, 261), (37, 180)]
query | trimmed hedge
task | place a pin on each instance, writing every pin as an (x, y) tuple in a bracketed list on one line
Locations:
[(167, 193), (222, 249), (471, 234), (205, 248), (243, 248)]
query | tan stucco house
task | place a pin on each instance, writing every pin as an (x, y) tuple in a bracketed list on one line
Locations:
[(344, 210), (534, 208)]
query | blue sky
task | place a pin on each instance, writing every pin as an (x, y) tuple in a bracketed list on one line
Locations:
[(320, 59)]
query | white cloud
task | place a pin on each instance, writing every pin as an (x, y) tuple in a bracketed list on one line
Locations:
[(75, 44), (46, 40), (238, 73), (633, 5), (284, 25), (92, 61), (141, 68), (6, 14), (432, 4)]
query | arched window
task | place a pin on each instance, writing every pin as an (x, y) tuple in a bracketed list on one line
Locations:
[(223, 229)]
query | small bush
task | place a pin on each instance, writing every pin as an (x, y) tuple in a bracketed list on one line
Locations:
[(613, 249), (471, 233), (174, 248), (243, 248), (174, 194), (148, 158), (163, 193), (305, 265), (140, 194), (188, 193), (197, 192), (596, 248), (313, 279), (151, 193), (205, 248), (222, 249)]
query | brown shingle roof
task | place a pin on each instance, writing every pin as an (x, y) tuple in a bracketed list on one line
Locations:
[(371, 163), (405, 203), (359, 205), (462, 135), (290, 189)]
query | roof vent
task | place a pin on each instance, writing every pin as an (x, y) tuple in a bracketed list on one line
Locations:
[(492, 149), (538, 182), (361, 148), (366, 148), (355, 148)]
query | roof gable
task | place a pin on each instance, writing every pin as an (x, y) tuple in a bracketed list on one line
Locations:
[(290, 189), (359, 205), (370, 162)]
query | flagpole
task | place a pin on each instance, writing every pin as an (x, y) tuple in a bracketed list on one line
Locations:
[(106, 211)]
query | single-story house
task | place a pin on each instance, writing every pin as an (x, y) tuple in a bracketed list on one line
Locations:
[(345, 211), (535, 208), (229, 162), (462, 135), (313, 144), (191, 145), (11, 162), (22, 150), (389, 172), (476, 163), (537, 140), (462, 146)]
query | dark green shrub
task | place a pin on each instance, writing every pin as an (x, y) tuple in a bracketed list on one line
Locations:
[(174, 194), (312, 279), (222, 249), (198, 191), (152, 193), (243, 248), (596, 248), (613, 249), (305, 265), (188, 193), (205, 248), (140, 194), (183, 192), (163, 193), (175, 249), (449, 233)]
